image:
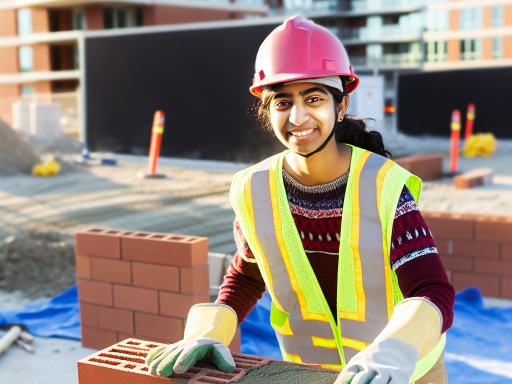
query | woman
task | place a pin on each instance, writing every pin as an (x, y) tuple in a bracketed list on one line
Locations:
[(331, 228)]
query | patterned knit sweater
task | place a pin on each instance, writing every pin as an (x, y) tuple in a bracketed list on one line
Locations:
[(317, 212)]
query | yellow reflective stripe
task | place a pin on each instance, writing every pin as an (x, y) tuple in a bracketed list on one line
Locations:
[(158, 130), (324, 343), (356, 344), (294, 358), (387, 268), (285, 329), (284, 251), (360, 315), (258, 253), (332, 366)]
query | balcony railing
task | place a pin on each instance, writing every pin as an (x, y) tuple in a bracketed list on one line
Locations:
[(384, 32), (374, 5), (293, 6), (388, 59)]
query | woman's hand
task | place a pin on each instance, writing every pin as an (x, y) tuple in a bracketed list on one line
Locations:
[(183, 355)]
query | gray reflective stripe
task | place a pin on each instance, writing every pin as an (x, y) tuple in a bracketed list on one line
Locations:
[(266, 234), (349, 353), (316, 328), (302, 345), (372, 258)]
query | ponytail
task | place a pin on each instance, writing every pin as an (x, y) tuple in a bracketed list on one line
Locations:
[(348, 131)]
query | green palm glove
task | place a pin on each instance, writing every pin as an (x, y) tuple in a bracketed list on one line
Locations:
[(183, 355)]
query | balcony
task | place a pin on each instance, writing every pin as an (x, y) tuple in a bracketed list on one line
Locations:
[(388, 61), (364, 6), (385, 33)]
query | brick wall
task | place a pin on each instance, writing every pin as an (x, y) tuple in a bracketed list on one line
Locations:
[(163, 14), (8, 22), (138, 284), (476, 250)]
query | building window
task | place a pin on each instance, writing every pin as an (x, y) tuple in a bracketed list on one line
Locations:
[(79, 21), (497, 47), (108, 18), (27, 90), (437, 21), (139, 17), (471, 18), (437, 51), (24, 22), (497, 16), (471, 49), (26, 57), (121, 18)]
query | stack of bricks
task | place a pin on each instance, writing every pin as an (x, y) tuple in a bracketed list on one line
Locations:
[(476, 250), (426, 167), (123, 363), (138, 284)]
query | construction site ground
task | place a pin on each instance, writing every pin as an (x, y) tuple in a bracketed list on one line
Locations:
[(192, 200)]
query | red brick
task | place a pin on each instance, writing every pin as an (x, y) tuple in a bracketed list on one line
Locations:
[(194, 280), (97, 338), (236, 343), (89, 314), (83, 267), (453, 263), (488, 285), (95, 292), (158, 327), (155, 276), (478, 176), (492, 267), (506, 252), (115, 319), (506, 288), (178, 305), (177, 250), (494, 228), (476, 249), (139, 299), (426, 167), (114, 271), (443, 246), (444, 225), (449, 274), (99, 242)]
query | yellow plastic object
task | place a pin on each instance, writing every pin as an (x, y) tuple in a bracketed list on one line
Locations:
[(216, 321), (416, 322), (50, 168), (479, 144)]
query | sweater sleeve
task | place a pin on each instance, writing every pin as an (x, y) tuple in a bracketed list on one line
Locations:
[(243, 284), (415, 259)]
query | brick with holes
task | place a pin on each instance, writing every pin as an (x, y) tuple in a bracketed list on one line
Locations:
[(123, 363)]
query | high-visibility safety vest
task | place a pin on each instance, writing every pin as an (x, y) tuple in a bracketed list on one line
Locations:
[(367, 289)]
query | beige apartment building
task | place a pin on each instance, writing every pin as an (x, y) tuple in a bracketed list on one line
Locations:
[(40, 41), (468, 34)]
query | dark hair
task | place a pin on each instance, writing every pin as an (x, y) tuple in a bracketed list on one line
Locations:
[(350, 130)]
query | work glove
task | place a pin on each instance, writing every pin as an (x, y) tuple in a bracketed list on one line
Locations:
[(210, 329), (412, 333)]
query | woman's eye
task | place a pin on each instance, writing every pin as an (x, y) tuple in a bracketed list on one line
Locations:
[(282, 104), (314, 100)]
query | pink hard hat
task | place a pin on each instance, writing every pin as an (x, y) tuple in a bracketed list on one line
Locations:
[(300, 49)]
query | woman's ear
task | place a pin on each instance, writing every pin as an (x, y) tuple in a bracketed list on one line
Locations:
[(342, 108)]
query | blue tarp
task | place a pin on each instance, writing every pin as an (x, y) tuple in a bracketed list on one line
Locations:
[(478, 349), (58, 317)]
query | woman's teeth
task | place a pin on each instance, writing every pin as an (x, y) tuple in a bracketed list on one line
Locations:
[(303, 133)]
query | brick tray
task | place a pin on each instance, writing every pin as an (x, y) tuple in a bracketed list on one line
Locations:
[(123, 363)]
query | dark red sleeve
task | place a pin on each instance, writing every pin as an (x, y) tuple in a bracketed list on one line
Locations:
[(415, 259), (243, 284)]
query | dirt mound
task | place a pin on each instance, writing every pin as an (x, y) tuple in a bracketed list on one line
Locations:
[(15, 155), (38, 264)]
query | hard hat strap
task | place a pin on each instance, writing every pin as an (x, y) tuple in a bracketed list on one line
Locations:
[(322, 146)]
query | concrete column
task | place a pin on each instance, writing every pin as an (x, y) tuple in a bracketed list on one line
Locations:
[(40, 20), (453, 45), (41, 58)]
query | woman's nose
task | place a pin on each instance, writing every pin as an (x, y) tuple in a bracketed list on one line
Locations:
[(298, 115)]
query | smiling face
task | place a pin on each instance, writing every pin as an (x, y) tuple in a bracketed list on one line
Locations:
[(303, 115)]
